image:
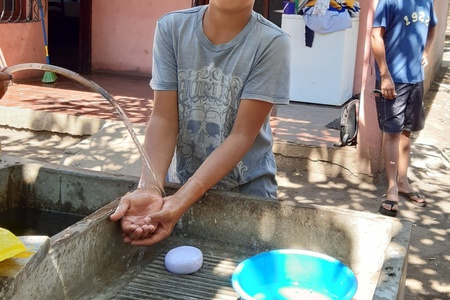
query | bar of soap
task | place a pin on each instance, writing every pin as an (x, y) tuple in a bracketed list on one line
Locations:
[(183, 260)]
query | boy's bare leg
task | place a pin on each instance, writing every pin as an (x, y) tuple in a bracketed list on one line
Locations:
[(391, 155), (403, 161), (403, 165)]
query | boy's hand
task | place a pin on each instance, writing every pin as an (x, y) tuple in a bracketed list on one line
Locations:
[(166, 219), (133, 211)]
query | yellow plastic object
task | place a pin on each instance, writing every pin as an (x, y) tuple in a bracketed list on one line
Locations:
[(10, 245)]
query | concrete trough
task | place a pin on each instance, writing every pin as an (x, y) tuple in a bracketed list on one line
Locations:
[(88, 259)]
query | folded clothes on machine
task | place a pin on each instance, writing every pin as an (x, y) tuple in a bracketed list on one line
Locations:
[(350, 4), (326, 16)]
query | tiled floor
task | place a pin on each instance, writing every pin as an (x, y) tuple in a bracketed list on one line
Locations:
[(296, 123)]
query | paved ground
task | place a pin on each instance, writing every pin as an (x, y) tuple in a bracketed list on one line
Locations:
[(428, 276)]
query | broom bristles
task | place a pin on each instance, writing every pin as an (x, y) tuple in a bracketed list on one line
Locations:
[(49, 77)]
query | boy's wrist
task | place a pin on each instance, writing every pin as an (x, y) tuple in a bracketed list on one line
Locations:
[(150, 187), (190, 192)]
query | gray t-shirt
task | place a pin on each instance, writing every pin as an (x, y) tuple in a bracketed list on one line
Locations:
[(211, 80)]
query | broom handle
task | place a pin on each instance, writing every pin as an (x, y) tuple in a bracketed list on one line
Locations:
[(41, 10)]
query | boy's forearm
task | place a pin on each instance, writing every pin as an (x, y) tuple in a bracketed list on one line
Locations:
[(379, 53), (223, 159), (160, 141), (214, 168)]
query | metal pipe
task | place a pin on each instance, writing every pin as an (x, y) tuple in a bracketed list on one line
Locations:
[(97, 88)]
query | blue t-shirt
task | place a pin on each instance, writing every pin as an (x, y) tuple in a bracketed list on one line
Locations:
[(406, 25), (211, 80)]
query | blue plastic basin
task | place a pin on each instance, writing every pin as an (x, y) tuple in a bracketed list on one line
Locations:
[(293, 274)]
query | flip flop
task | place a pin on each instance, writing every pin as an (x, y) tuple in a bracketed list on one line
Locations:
[(409, 196), (388, 212)]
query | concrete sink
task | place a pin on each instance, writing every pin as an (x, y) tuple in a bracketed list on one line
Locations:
[(88, 259)]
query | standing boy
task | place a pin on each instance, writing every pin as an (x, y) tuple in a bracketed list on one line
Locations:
[(403, 31), (217, 72)]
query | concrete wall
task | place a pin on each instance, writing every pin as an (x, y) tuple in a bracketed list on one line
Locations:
[(436, 52), (122, 34), (369, 137)]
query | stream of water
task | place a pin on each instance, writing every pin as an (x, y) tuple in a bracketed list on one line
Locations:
[(94, 86)]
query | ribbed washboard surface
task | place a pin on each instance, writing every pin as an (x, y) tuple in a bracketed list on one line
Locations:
[(212, 281)]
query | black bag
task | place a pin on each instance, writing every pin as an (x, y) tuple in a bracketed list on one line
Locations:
[(349, 123)]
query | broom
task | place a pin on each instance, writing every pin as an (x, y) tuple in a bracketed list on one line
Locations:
[(49, 77)]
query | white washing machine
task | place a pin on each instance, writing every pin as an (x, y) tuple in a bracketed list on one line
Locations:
[(323, 73)]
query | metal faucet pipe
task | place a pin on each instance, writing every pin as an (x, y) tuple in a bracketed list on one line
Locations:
[(94, 86), (70, 74)]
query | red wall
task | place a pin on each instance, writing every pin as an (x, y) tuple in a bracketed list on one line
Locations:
[(122, 35), (21, 43)]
